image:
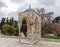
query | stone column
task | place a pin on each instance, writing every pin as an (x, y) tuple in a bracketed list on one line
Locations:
[(39, 29), (19, 31), (19, 27), (32, 32), (0, 32)]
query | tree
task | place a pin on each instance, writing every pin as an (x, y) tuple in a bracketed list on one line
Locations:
[(0, 26), (49, 28), (2, 23), (45, 16), (11, 21), (15, 23), (7, 20), (24, 28), (56, 19), (57, 29)]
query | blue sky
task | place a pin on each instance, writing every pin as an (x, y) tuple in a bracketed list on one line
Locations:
[(9, 8)]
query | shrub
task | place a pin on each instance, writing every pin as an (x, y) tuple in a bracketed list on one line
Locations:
[(51, 28), (53, 37), (9, 30)]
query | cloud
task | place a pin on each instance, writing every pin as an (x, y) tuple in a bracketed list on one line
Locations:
[(48, 2), (1, 15), (17, 1), (2, 5), (15, 6), (13, 14), (11, 7)]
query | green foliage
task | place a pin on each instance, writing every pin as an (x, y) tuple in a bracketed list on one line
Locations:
[(11, 21), (9, 30), (3, 20), (2, 23), (15, 23), (53, 37), (7, 20), (57, 19)]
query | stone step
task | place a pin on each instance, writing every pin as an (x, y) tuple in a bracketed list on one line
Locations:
[(28, 41)]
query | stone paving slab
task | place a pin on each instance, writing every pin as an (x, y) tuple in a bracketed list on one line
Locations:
[(13, 42)]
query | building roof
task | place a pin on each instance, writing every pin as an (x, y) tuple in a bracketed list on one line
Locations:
[(30, 10)]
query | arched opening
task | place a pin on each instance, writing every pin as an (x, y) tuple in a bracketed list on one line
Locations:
[(24, 27)]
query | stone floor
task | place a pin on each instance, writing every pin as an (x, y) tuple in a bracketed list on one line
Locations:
[(13, 42)]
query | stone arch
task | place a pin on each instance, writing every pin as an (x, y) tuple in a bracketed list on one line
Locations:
[(27, 20), (23, 28)]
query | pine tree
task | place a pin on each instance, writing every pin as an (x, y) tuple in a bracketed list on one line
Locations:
[(2, 22), (15, 23), (11, 21), (7, 20)]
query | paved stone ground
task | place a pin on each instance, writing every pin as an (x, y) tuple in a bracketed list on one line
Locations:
[(13, 42)]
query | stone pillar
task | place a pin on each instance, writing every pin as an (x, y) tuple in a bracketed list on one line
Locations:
[(19, 31), (39, 29), (32, 32), (19, 26), (0, 32)]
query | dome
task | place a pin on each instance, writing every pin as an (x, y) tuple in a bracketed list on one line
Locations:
[(29, 9)]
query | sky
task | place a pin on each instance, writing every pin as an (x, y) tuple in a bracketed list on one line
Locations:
[(10, 8)]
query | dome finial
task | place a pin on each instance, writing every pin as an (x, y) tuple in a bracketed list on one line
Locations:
[(29, 6)]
